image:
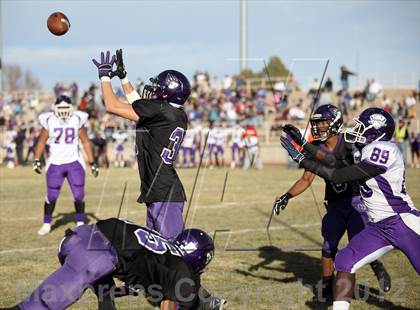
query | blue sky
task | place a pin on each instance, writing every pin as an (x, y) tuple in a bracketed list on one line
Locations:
[(379, 39)]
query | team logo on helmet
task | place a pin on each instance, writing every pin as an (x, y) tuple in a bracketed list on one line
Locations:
[(377, 121), (172, 81)]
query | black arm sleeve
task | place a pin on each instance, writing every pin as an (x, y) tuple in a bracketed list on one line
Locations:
[(360, 171), (316, 152)]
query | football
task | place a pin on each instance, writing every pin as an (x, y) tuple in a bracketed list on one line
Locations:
[(58, 23)]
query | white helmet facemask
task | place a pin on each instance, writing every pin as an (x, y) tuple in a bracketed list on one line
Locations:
[(63, 109)]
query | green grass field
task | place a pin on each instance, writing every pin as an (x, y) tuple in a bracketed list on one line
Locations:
[(254, 279)]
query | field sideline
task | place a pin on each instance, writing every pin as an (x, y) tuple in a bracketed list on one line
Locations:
[(253, 279)]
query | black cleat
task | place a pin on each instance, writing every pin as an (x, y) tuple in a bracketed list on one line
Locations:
[(382, 275), (326, 290), (212, 303)]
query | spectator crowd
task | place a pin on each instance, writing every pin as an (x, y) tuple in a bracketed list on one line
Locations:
[(227, 118)]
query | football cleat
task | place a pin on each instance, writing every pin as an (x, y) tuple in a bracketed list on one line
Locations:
[(382, 275), (217, 303), (45, 229), (326, 292)]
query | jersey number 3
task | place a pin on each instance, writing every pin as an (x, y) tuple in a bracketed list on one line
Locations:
[(169, 153)]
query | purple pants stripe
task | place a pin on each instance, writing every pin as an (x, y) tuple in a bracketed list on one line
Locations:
[(85, 257), (165, 218), (75, 175), (375, 240)]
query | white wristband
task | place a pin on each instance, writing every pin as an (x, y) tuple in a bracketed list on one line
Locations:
[(105, 79), (124, 80), (133, 96)]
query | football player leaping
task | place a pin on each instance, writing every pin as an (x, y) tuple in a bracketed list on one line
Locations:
[(342, 199), (62, 130), (394, 221), (160, 129)]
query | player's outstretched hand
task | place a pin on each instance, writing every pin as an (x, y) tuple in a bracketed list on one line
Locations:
[(36, 166), (105, 66), (294, 153), (94, 169), (295, 134), (281, 203), (120, 71)]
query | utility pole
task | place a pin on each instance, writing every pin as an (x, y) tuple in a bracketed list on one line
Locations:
[(243, 35)]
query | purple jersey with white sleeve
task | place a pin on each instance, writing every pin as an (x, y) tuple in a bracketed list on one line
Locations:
[(385, 195)]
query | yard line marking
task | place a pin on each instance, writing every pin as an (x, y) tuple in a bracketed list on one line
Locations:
[(248, 230), (241, 231), (28, 250)]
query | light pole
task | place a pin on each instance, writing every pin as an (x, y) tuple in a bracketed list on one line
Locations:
[(243, 35)]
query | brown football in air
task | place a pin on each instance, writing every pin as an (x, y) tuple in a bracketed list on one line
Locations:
[(58, 23)]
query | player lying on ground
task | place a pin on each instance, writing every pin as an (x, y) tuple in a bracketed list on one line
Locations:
[(394, 221), (62, 130), (93, 255), (341, 200)]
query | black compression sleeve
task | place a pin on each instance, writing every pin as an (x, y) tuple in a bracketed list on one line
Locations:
[(316, 152), (360, 171)]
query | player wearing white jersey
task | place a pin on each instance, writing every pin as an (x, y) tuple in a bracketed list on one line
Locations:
[(188, 146), (252, 155), (120, 138), (63, 129), (385, 195), (211, 134), (236, 144), (395, 222), (220, 137)]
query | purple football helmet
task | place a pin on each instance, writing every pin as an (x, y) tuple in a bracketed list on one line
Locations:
[(170, 86), (326, 112), (373, 124), (197, 248)]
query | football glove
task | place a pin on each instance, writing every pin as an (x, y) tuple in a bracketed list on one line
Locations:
[(94, 169), (295, 134), (36, 166), (105, 66), (120, 71), (281, 203), (294, 153)]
